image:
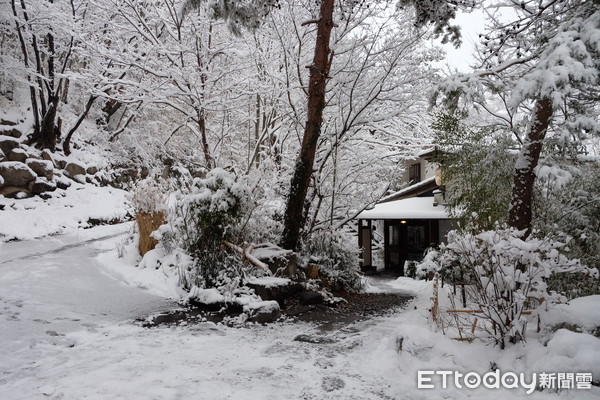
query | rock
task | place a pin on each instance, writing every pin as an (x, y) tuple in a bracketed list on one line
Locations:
[(8, 143), (1, 181), (18, 154), (2, 156), (307, 298), (73, 169), (42, 168), (278, 289), (207, 299), (12, 192), (60, 163), (16, 174), (263, 312), (63, 183), (15, 133), (47, 156), (80, 179), (92, 170), (7, 122), (314, 339), (41, 185)]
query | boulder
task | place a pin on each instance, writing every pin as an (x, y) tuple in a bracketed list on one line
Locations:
[(18, 154), (43, 168), (92, 170), (63, 183), (7, 122), (73, 169), (16, 174), (47, 156), (207, 299), (60, 163), (15, 133), (41, 185), (12, 192), (278, 289), (263, 312), (8, 143)]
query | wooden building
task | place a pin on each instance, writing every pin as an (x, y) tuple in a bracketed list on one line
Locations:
[(404, 224)]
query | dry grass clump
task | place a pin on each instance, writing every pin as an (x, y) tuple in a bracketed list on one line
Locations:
[(149, 200), (148, 223)]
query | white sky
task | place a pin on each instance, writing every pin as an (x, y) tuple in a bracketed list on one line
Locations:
[(471, 25)]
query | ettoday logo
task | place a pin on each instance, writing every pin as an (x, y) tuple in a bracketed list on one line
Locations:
[(508, 380)]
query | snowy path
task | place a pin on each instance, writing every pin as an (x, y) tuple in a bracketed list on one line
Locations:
[(66, 332)]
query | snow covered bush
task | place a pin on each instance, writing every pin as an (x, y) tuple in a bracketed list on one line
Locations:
[(149, 201), (208, 215), (506, 276), (337, 256)]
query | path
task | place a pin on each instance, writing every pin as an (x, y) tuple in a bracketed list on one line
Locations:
[(66, 332)]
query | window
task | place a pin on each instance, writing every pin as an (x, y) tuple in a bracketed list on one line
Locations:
[(414, 173)]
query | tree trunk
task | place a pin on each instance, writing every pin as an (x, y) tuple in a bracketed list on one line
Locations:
[(319, 70), (520, 212)]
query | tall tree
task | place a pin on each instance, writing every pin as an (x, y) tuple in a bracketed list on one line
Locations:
[(319, 73), (542, 64)]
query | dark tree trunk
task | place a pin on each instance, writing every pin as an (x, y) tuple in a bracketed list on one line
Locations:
[(67, 142), (319, 70), (520, 212), (49, 130)]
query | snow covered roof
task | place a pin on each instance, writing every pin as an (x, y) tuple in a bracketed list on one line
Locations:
[(411, 208), (410, 189)]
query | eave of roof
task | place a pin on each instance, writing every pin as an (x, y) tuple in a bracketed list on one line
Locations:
[(409, 208)]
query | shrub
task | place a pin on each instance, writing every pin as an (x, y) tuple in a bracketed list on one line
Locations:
[(338, 257), (506, 276), (206, 217)]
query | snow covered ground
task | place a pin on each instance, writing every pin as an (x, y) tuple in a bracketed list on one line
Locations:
[(67, 331)]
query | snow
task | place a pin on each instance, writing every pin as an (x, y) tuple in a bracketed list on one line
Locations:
[(35, 217), (68, 305), (582, 311), (410, 188), (269, 281), (206, 296), (411, 208), (262, 306)]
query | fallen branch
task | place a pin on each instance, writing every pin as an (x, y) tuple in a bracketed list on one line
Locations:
[(245, 252)]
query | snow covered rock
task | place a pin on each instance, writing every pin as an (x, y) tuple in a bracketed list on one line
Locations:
[(18, 154), (206, 299), (8, 143), (263, 312), (272, 288), (73, 169), (47, 156), (16, 174), (43, 168), (15, 133), (63, 183), (41, 185), (2, 156), (12, 192)]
